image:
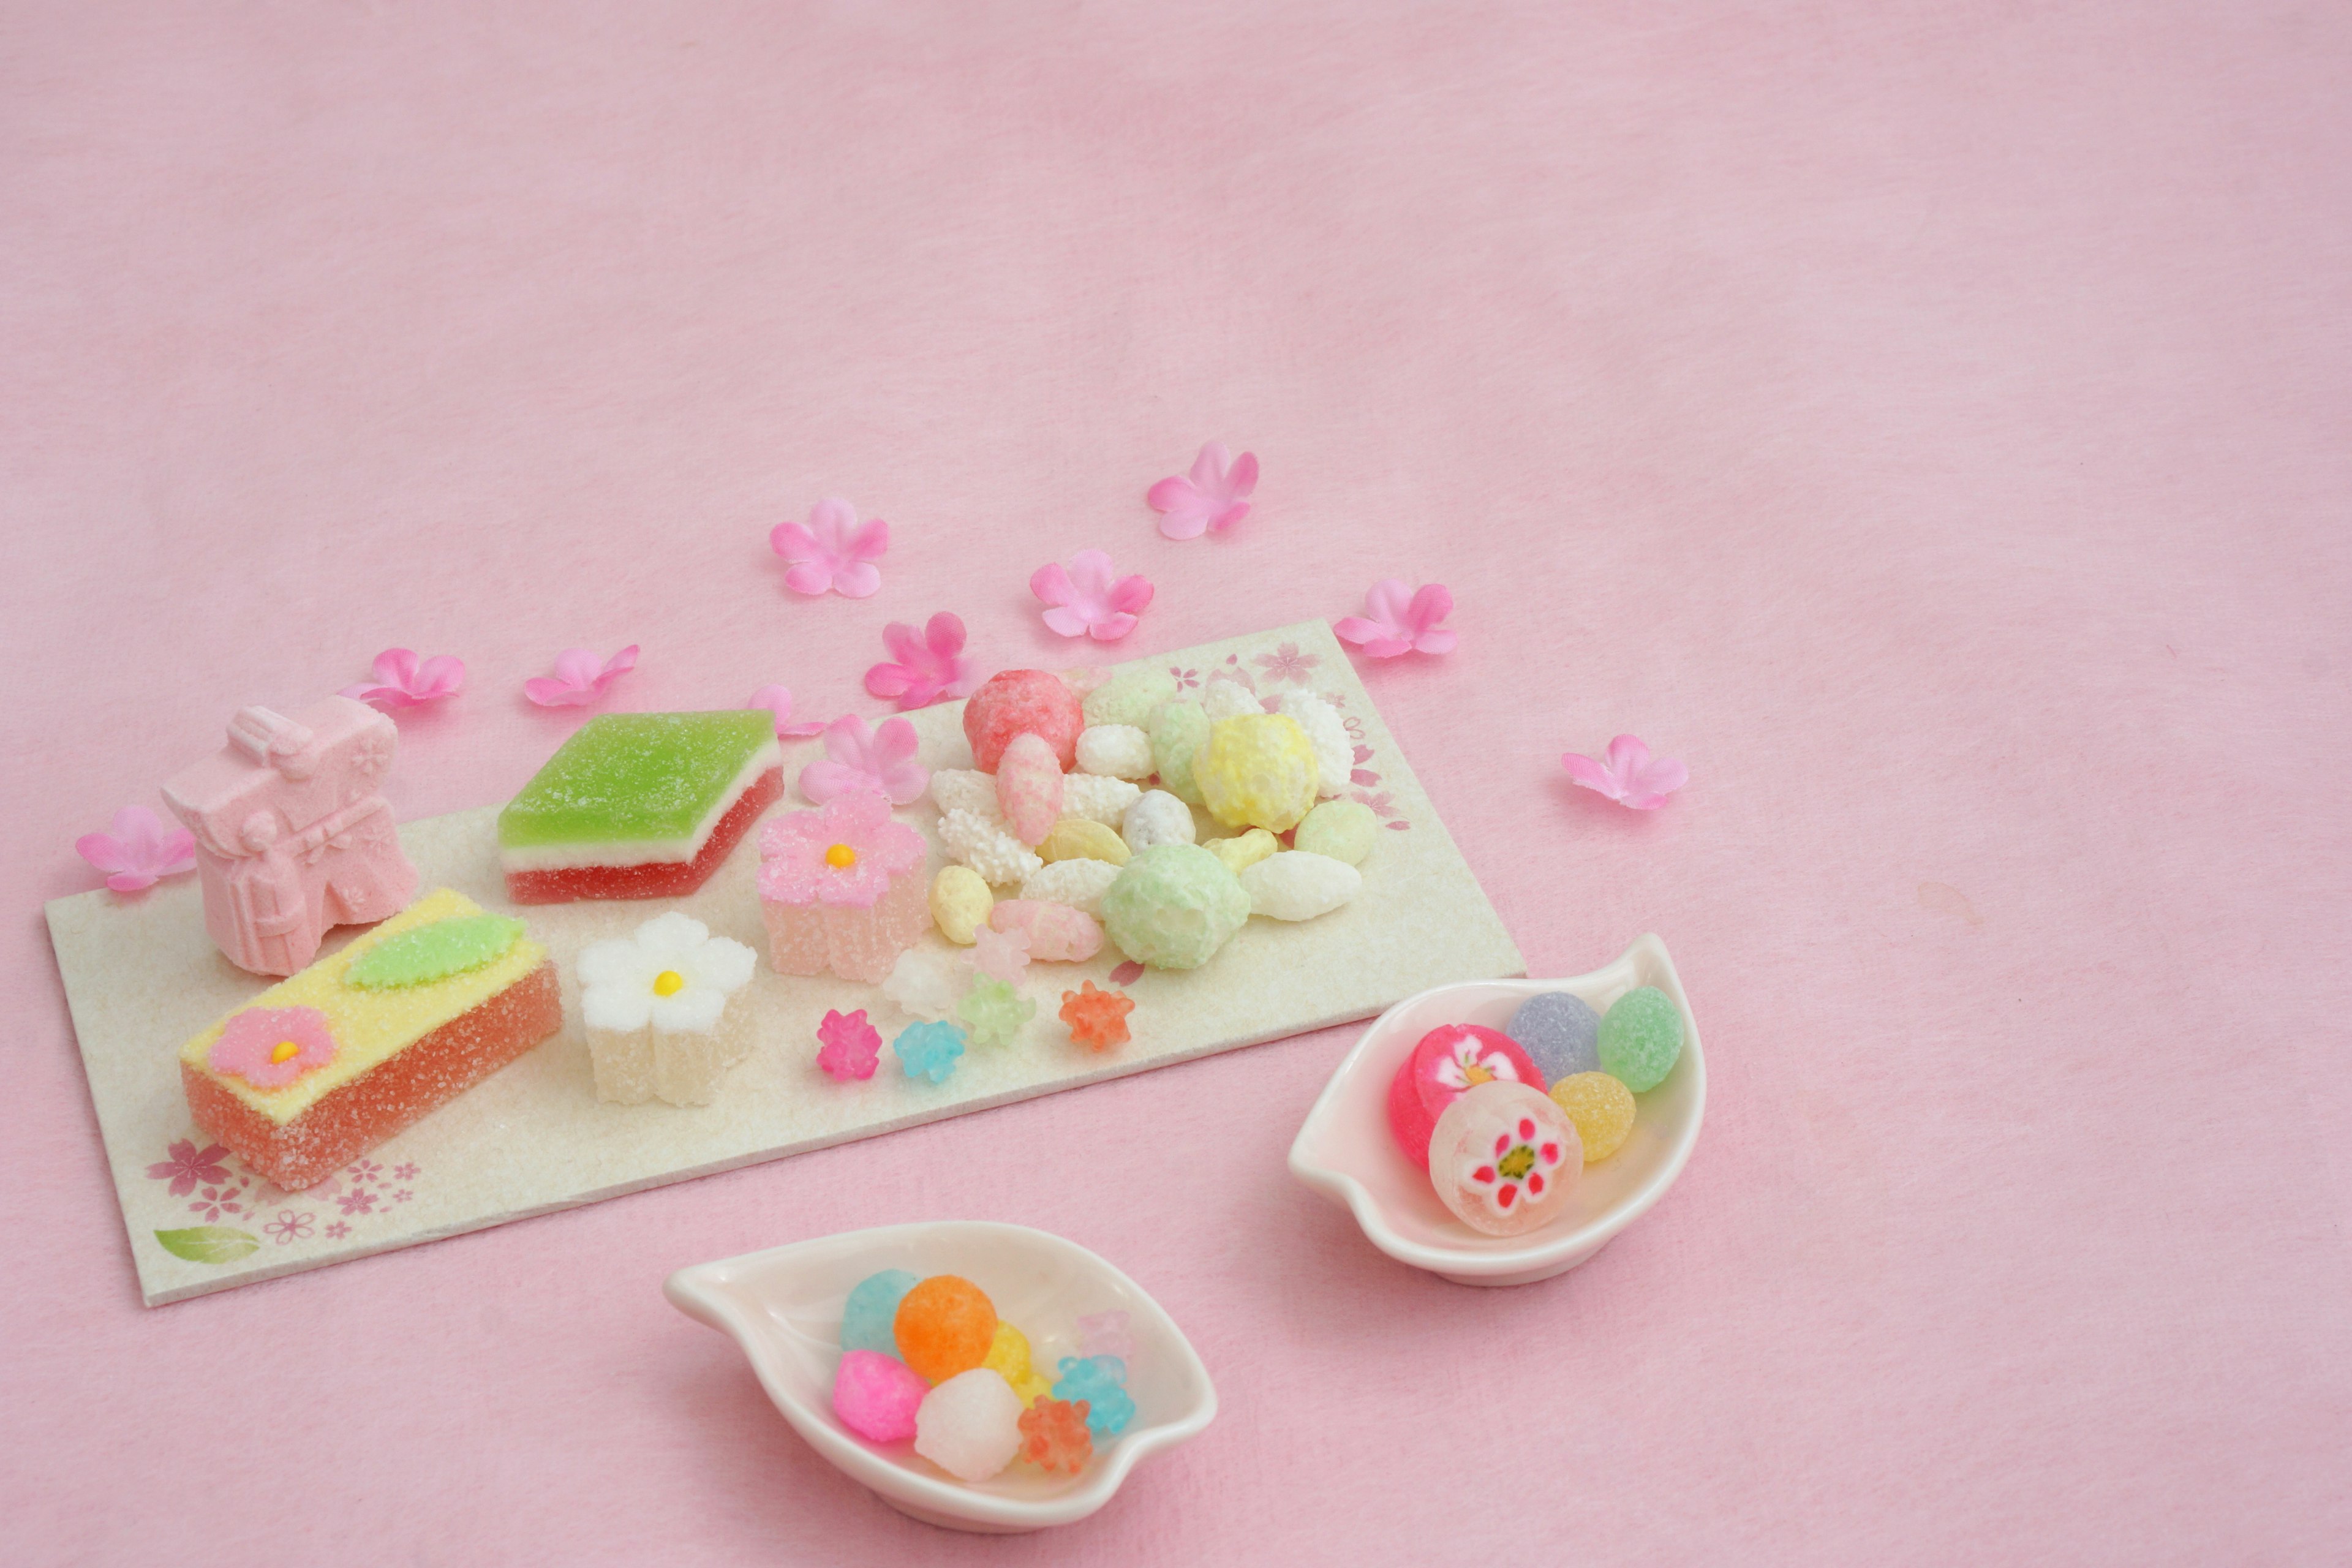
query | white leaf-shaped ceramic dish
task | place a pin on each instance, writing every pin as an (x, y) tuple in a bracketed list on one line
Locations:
[(1345, 1151), (783, 1308)]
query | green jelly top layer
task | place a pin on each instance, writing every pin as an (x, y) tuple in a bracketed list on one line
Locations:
[(636, 776)]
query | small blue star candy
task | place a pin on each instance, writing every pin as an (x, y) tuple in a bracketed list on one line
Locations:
[(929, 1050), (1101, 1381)]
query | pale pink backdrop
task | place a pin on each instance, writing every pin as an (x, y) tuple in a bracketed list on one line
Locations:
[(1933, 422)]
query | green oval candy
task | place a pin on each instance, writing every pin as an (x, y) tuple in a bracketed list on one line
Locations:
[(1641, 1038), (435, 951)]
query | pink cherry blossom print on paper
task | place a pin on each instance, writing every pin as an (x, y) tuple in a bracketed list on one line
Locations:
[(830, 552), (881, 760), (138, 853), (930, 663), (778, 699), (188, 1166), (404, 681), (579, 679), (1210, 500), (1398, 620), (1088, 599), (1629, 774)]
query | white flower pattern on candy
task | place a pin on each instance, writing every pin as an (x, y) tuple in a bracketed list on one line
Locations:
[(619, 980)]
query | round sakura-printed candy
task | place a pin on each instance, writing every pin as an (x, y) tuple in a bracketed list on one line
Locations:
[(1028, 788), (1057, 933), (877, 1396), (970, 1426), (1448, 1061), (1023, 703), (1115, 750), (1503, 1157)]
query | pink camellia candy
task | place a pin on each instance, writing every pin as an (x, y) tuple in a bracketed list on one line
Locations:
[(1449, 1060), (877, 1396), (1029, 788), (1057, 933), (1503, 1158), (1023, 701)]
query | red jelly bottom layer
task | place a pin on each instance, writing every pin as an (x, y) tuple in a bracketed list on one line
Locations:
[(651, 879), (370, 1108)]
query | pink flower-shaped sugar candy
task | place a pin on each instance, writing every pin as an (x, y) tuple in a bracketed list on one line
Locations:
[(1211, 498), (831, 551), (404, 681), (930, 663), (1630, 775), (1088, 598), (882, 759), (579, 679), (138, 853), (1398, 620)]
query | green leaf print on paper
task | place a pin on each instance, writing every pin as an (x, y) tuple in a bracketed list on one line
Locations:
[(208, 1243)]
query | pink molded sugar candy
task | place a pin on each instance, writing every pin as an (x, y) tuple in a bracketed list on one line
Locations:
[(1057, 933), (1028, 788), (293, 834), (877, 1396), (1504, 1157), (843, 889), (1448, 1061), (1023, 701), (970, 1426)]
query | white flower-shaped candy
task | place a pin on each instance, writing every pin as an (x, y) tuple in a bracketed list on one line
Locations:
[(673, 975)]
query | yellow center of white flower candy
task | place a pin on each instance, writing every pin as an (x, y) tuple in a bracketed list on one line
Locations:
[(1476, 1074), (285, 1051), (841, 857), (668, 982)]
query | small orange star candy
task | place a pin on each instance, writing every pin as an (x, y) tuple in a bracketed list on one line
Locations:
[(1053, 1434), (1097, 1019)]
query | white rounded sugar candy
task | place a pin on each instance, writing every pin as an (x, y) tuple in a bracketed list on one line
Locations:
[(964, 789), (1335, 754), (982, 843), (1078, 883), (1115, 750), (1157, 818), (1097, 799), (926, 983), (970, 1426), (1298, 886), (1228, 700)]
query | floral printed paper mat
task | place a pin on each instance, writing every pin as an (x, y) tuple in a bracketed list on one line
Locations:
[(141, 976)]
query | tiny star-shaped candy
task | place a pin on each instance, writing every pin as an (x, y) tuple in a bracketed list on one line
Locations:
[(1053, 1436), (1000, 954), (1097, 1019), (996, 1012), (929, 1050)]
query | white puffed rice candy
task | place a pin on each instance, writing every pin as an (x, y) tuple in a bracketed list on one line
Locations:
[(1228, 700), (1097, 799), (964, 789), (983, 843), (1298, 886), (1335, 754), (1157, 818), (1115, 750), (1080, 884)]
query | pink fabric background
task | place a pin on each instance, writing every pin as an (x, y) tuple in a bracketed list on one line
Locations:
[(1931, 422)]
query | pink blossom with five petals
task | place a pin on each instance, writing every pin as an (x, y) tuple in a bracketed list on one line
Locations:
[(1088, 599), (269, 1048), (1629, 776), (189, 1166), (882, 759), (404, 681), (830, 552), (778, 699), (1399, 620), (798, 866), (1211, 498), (579, 679), (138, 853), (930, 665)]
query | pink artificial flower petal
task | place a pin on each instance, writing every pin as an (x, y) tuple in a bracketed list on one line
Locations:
[(882, 761), (778, 699), (1213, 497), (831, 551), (579, 679), (403, 681), (138, 853), (1630, 776), (929, 664), (1396, 620), (1090, 599)]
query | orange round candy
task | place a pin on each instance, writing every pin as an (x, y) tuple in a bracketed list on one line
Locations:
[(944, 1326)]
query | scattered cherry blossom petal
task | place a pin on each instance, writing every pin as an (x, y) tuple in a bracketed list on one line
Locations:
[(1399, 620), (404, 681), (1630, 776), (778, 699), (1088, 599), (930, 665), (579, 679), (881, 760), (1211, 498), (830, 552), (138, 853)]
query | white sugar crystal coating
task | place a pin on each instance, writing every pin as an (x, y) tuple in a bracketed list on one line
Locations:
[(1335, 754), (982, 843), (1078, 883), (1097, 799), (1128, 698), (1228, 700), (964, 789), (1299, 886), (970, 1426), (1343, 829), (1157, 818), (925, 983), (1115, 750)]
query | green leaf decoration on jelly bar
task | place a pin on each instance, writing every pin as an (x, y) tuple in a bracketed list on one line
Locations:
[(423, 954), (208, 1243)]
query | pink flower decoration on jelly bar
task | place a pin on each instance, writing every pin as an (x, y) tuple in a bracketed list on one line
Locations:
[(404, 681), (831, 551), (842, 854), (1088, 600), (882, 759), (1630, 776), (1000, 954), (1211, 498), (930, 665), (848, 1046), (579, 679), (778, 699), (269, 1048), (1398, 620), (138, 853)]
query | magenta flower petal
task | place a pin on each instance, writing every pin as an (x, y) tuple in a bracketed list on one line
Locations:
[(1630, 776), (832, 551), (579, 679), (929, 664), (403, 681), (1396, 620), (881, 761), (139, 853), (1213, 497), (778, 699)]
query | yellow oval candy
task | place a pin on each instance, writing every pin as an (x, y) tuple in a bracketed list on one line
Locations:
[(960, 903), (1240, 854), (1082, 838), (1602, 1108), (1256, 770)]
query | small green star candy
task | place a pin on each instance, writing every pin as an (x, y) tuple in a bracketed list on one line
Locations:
[(994, 1011)]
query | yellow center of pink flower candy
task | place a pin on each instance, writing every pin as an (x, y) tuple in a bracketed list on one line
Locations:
[(1476, 1074), (668, 982), (285, 1051), (841, 857)]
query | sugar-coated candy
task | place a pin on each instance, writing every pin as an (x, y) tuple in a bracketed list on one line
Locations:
[(1601, 1107), (1057, 933), (1641, 1038), (960, 903), (1082, 838), (1023, 703), (929, 1050), (1241, 853), (1098, 1019), (927, 984), (945, 1325), (983, 843), (1028, 788), (1561, 1035), (848, 1047), (1445, 1063), (1115, 750), (1503, 1157), (1299, 886), (1157, 818), (1008, 1357), (1105, 1333), (1173, 906), (1078, 883), (1178, 730), (1129, 699), (1222, 698), (970, 1426), (1257, 771), (1101, 1381), (870, 1317), (1001, 952), (994, 1011), (1053, 1436), (877, 1396), (1334, 754), (964, 789), (1343, 829), (1097, 799)]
